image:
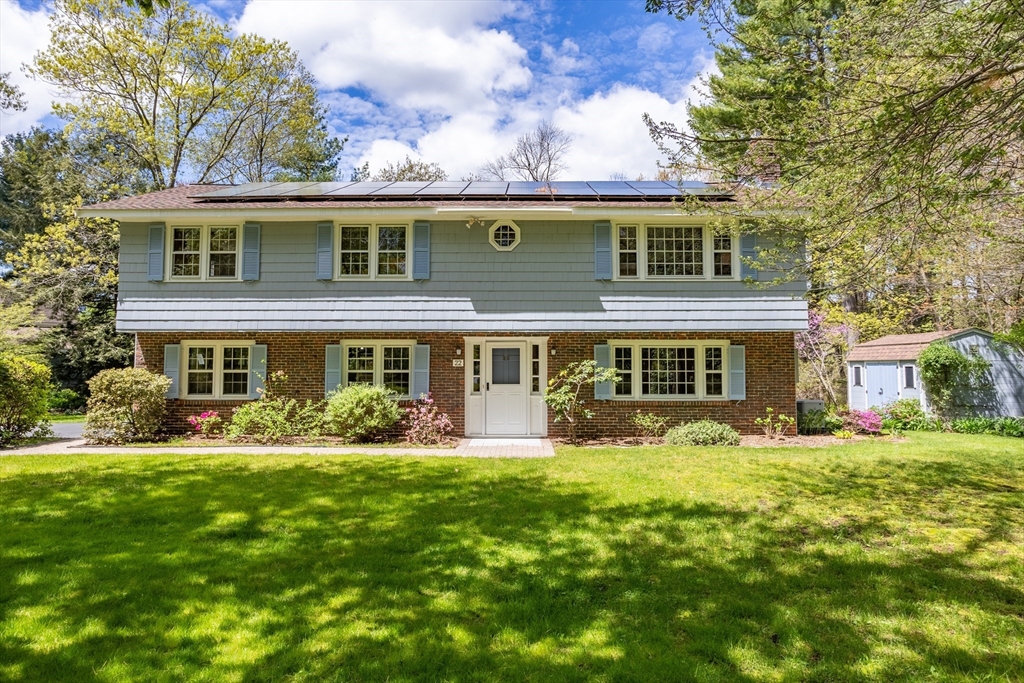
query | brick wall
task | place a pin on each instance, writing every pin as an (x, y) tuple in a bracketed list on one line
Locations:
[(771, 374)]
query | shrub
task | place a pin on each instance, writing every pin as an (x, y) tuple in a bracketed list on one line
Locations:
[(362, 412), (564, 389), (861, 421), (206, 423), (648, 425), (426, 425), (774, 427), (65, 401), (24, 391), (945, 372), (125, 405), (703, 433), (273, 417), (999, 426), (905, 415), (818, 422), (843, 434)]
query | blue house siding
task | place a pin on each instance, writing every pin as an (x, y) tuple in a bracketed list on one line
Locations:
[(546, 283)]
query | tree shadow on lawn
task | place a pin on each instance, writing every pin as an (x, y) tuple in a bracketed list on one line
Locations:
[(385, 570)]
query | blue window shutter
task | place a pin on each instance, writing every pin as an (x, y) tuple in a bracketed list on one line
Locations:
[(257, 370), (172, 368), (748, 250), (603, 358), (737, 373), (325, 251), (421, 250), (332, 368), (602, 250), (420, 370), (155, 263), (251, 251)]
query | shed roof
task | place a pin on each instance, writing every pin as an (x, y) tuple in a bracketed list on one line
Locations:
[(899, 346)]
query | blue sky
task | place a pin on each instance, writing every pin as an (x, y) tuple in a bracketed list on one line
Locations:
[(456, 81)]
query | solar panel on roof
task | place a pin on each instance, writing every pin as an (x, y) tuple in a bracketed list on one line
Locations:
[(402, 188), (442, 187), (571, 188), (655, 188), (519, 188), (316, 189), (275, 190), (359, 189), (613, 188), (485, 187)]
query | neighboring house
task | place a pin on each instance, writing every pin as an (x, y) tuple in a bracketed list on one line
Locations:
[(884, 370), (476, 291)]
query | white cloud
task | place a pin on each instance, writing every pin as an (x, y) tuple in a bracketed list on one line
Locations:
[(440, 57), (22, 34)]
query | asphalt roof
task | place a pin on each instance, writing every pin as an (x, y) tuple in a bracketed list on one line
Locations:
[(898, 346)]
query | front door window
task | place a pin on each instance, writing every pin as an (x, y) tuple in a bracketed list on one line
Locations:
[(505, 364)]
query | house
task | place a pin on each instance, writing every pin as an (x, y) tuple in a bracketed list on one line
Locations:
[(884, 370), (476, 291)]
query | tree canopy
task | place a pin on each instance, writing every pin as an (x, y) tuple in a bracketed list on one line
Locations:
[(538, 155), (182, 97)]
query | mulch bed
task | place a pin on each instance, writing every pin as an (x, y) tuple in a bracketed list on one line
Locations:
[(330, 441), (749, 441)]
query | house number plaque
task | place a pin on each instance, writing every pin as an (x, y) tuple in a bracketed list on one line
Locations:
[(458, 362)]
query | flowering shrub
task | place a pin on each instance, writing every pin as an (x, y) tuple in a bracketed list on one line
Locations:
[(125, 405), (862, 421), (426, 425), (206, 423)]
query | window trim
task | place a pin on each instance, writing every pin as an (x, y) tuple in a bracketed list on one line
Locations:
[(494, 227), (708, 252), (698, 344), (218, 368), (858, 376), (378, 360), (374, 245), (204, 253)]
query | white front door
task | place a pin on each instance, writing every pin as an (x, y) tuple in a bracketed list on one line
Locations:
[(506, 389)]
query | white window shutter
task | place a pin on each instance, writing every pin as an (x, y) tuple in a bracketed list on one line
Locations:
[(257, 370), (603, 358), (172, 369), (332, 368), (420, 370), (737, 373)]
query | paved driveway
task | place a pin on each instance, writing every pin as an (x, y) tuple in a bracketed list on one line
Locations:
[(68, 430)]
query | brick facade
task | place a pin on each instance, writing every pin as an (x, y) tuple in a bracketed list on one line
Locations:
[(770, 368)]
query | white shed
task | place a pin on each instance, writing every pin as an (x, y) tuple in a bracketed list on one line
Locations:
[(884, 370)]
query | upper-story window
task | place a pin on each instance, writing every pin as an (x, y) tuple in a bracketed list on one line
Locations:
[(373, 251), (675, 252), (208, 252), (504, 235)]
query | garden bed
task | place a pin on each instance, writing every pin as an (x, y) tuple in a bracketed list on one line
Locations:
[(197, 441), (749, 441)]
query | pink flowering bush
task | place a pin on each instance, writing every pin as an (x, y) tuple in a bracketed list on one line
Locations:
[(206, 423), (426, 424), (862, 421)]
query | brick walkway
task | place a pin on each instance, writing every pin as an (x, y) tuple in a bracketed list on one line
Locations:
[(467, 448)]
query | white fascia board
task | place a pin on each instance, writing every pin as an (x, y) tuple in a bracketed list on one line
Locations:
[(296, 214)]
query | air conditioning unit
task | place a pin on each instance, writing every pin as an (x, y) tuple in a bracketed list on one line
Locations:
[(804, 406)]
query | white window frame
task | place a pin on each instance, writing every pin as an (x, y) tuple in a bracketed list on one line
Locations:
[(374, 261), (913, 377), (497, 224), (204, 253), (857, 372), (218, 368), (378, 359), (698, 345), (708, 255)]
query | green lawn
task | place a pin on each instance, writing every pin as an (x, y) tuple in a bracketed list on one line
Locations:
[(866, 562)]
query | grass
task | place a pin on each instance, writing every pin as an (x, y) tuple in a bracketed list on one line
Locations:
[(873, 561)]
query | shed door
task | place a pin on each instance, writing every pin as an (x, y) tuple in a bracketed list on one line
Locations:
[(882, 384)]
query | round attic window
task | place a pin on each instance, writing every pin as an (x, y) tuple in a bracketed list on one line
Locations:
[(504, 235)]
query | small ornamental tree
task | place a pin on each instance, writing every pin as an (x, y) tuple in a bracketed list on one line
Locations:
[(564, 393)]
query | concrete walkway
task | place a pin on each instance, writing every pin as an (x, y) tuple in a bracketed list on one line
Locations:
[(467, 448)]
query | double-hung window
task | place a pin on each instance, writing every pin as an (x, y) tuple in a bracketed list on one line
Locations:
[(207, 252), (654, 252), (670, 370), (379, 362), (216, 369), (374, 251)]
